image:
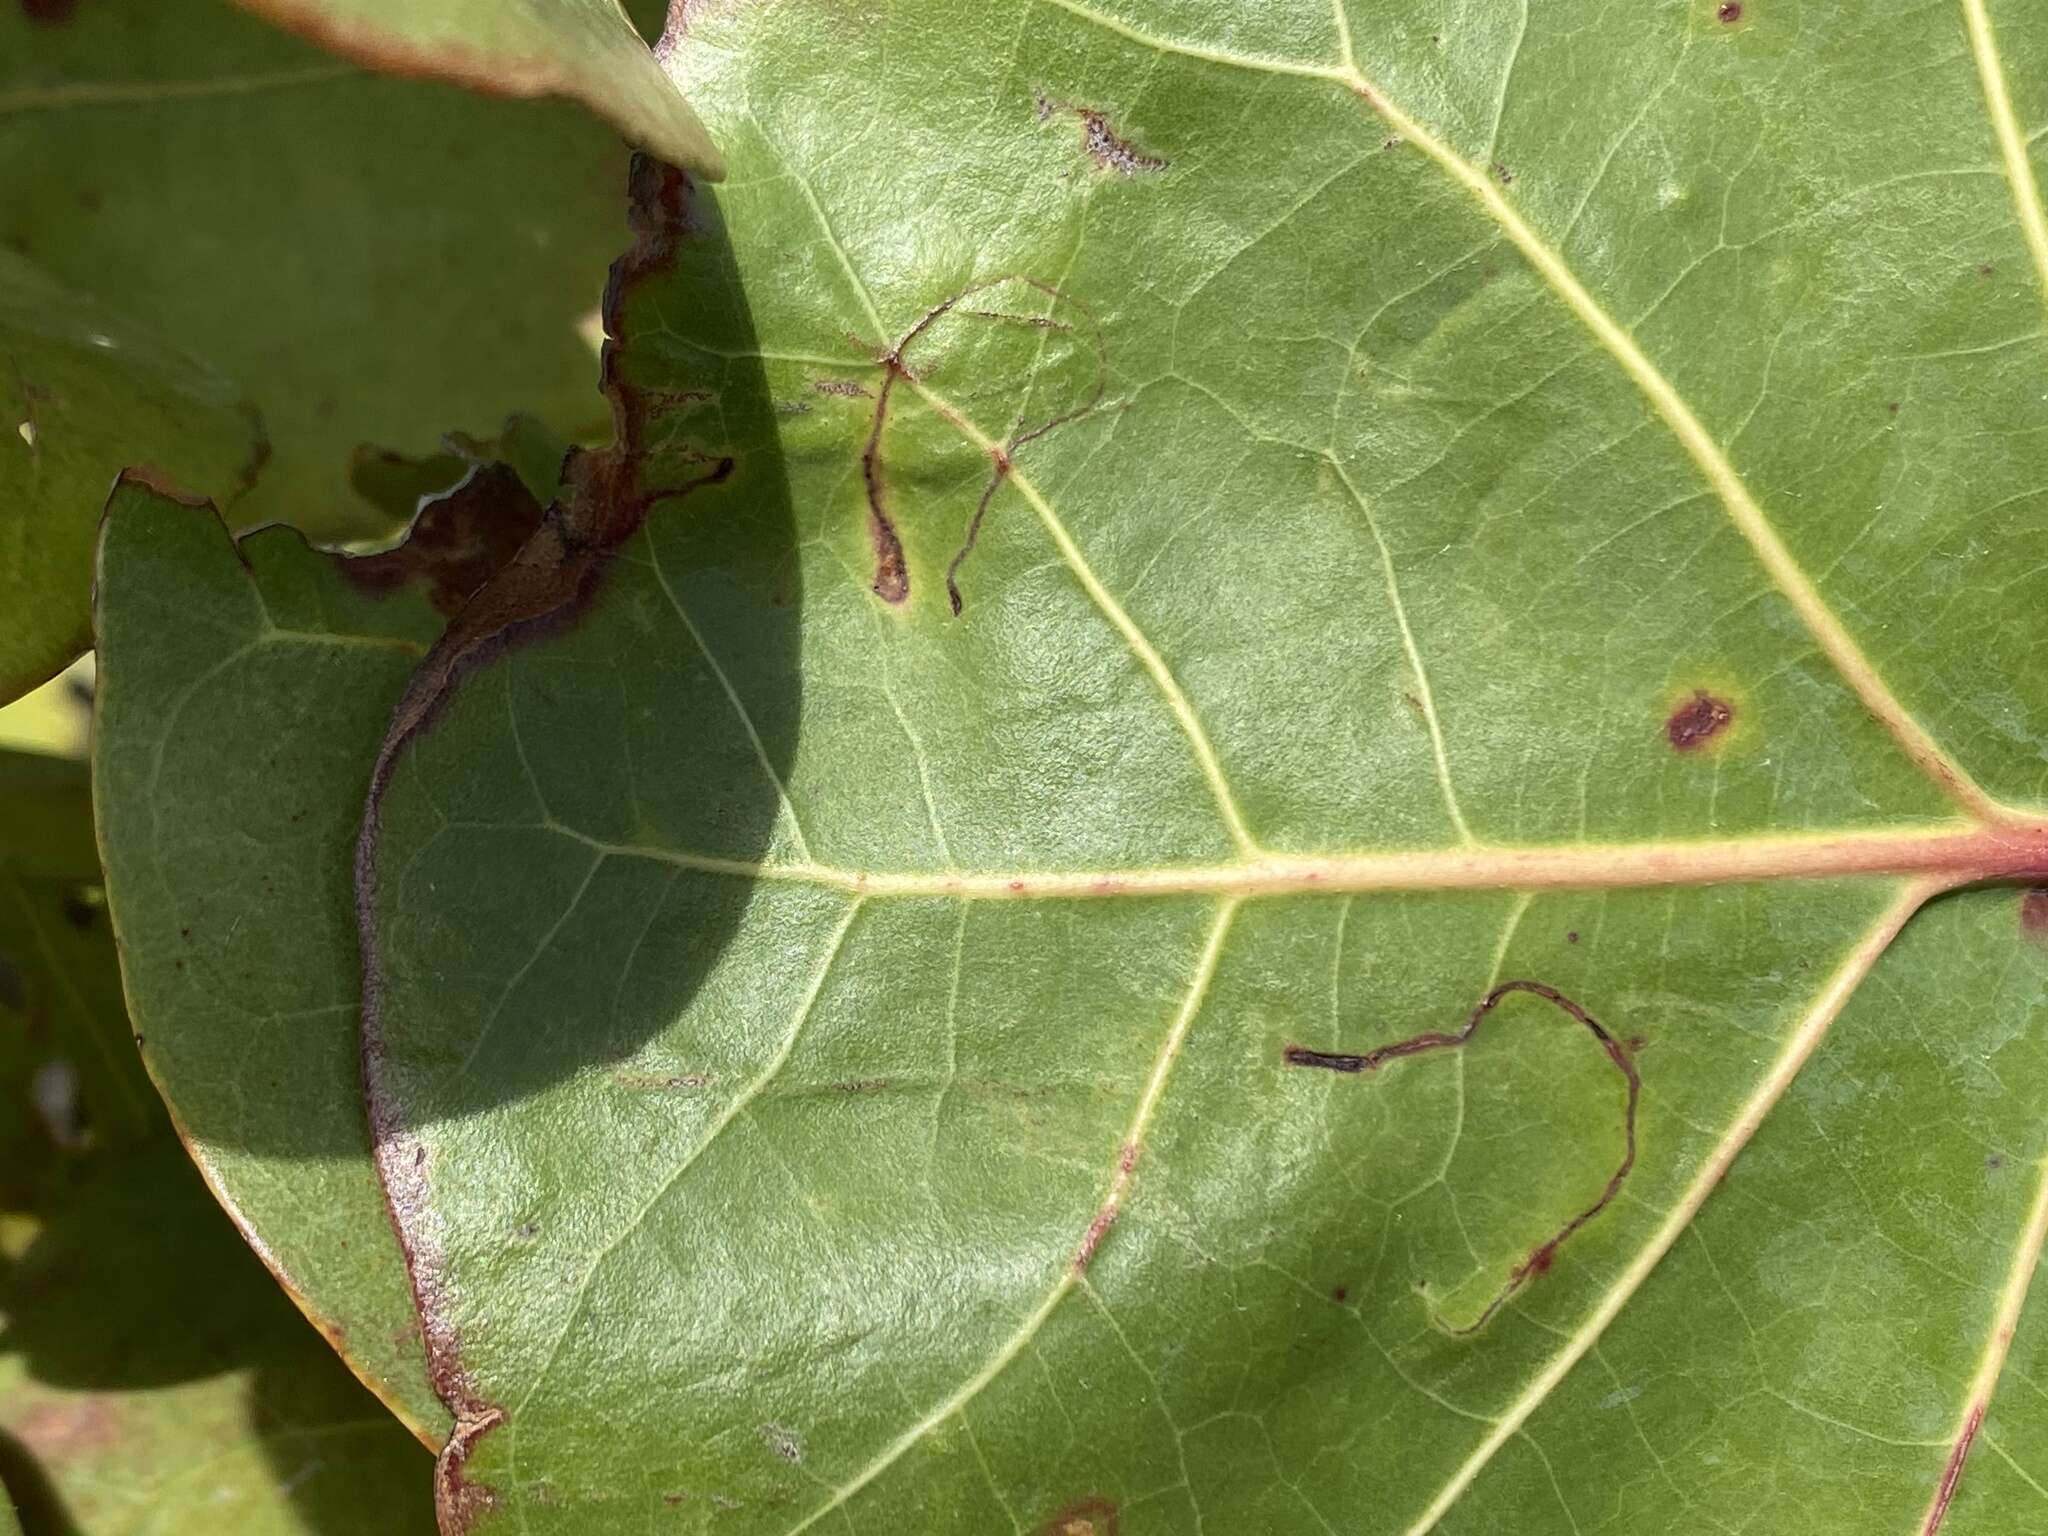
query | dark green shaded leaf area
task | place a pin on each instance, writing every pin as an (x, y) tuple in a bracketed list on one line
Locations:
[(580, 48), (89, 394), (1284, 780), (152, 1376), (370, 259), (73, 1089), (292, 659)]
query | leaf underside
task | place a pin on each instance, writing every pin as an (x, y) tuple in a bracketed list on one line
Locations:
[(1493, 616), (586, 49)]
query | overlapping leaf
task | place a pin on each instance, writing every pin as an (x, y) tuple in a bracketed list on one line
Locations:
[(365, 259), (1156, 551), (587, 49), (249, 1012), (90, 395)]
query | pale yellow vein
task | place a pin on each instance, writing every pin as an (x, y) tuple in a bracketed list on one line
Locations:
[(2005, 1322), (1950, 853), (2012, 144), (1785, 572), (1804, 1039), (1423, 694), (1070, 1272)]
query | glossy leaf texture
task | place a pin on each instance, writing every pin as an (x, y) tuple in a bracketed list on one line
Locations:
[(366, 259), (1278, 785), (71, 371), (586, 49)]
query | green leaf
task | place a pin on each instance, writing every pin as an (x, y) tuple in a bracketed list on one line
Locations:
[(399, 483), (370, 260), (1442, 591), (153, 1379), (89, 394), (229, 870), (586, 49), (151, 1375), (72, 1089)]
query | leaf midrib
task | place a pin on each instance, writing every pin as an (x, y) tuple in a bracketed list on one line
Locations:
[(1951, 853)]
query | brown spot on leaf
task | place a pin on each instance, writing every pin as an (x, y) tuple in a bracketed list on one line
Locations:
[(459, 1503), (783, 1442), (1109, 150), (2034, 914), (1092, 1516), (458, 540), (1503, 175), (1729, 12), (643, 1081), (1697, 721), (892, 571), (844, 387), (49, 13)]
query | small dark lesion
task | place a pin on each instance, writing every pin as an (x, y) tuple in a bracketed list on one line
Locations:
[(1698, 721), (2034, 914), (662, 1082), (1092, 1516), (1111, 151), (892, 573), (1540, 1258)]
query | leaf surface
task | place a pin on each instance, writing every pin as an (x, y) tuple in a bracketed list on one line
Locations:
[(1254, 689), (368, 259), (71, 1089), (248, 1011), (153, 1379), (90, 394), (586, 49)]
